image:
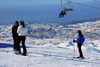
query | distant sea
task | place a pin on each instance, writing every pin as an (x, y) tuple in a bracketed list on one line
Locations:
[(49, 13)]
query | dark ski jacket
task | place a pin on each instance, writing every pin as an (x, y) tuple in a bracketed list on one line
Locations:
[(14, 31), (80, 39)]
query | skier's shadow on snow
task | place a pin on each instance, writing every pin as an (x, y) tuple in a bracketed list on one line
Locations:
[(4, 45)]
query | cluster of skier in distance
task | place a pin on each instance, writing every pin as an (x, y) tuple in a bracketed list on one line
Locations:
[(20, 31)]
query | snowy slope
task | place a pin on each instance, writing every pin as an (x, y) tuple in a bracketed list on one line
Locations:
[(49, 56), (54, 51)]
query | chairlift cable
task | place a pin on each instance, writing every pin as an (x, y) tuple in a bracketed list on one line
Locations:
[(87, 5), (96, 0)]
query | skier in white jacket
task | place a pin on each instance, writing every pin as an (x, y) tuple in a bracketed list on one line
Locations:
[(22, 32)]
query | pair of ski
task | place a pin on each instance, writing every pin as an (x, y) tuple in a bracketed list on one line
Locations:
[(78, 58)]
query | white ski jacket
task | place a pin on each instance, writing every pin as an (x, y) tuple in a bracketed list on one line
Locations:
[(22, 31)]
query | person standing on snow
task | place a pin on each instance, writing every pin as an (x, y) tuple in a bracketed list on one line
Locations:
[(80, 40), (22, 32), (15, 35)]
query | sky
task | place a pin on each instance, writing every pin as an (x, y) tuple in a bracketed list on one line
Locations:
[(5, 3), (27, 2), (45, 10)]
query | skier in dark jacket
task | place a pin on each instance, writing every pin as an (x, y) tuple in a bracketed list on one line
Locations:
[(80, 40), (15, 35)]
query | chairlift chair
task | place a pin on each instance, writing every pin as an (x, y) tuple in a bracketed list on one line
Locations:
[(62, 13), (68, 6), (68, 9)]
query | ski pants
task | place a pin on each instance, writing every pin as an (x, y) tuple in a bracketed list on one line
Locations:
[(15, 40), (21, 39), (80, 50)]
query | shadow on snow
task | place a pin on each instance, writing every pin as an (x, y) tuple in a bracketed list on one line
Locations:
[(4, 45)]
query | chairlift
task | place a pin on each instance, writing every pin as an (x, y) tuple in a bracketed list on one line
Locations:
[(62, 13), (68, 6)]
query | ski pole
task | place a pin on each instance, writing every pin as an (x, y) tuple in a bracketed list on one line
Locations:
[(74, 47)]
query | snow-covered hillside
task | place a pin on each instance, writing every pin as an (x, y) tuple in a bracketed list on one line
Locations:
[(54, 33), (50, 45)]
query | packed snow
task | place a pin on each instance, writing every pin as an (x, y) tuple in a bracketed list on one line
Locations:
[(53, 48)]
